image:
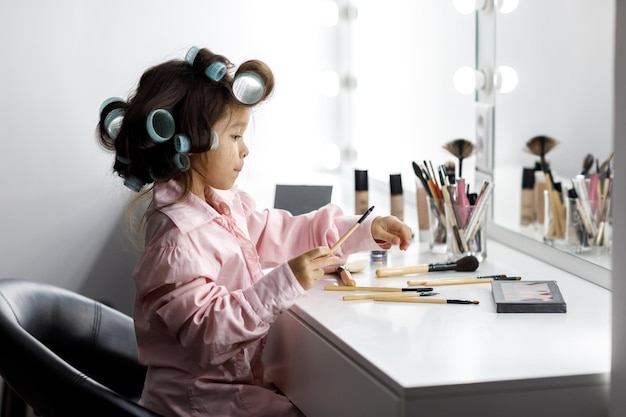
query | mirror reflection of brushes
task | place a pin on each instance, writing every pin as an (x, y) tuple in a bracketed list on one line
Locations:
[(466, 264), (461, 148), (541, 146), (587, 164)]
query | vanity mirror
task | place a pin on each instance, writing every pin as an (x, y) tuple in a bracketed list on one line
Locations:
[(563, 54)]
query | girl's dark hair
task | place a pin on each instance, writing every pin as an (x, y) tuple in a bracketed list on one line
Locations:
[(194, 100)]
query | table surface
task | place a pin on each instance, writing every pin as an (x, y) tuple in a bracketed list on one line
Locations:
[(433, 346)]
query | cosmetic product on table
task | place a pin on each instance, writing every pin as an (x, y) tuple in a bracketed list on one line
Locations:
[(345, 276), (361, 191), (461, 280), (528, 297), (435, 214), (423, 300), (466, 264), (466, 222), (388, 295), (396, 196), (527, 205)]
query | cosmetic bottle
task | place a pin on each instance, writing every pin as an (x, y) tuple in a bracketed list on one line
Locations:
[(396, 196), (361, 191), (540, 188), (527, 206)]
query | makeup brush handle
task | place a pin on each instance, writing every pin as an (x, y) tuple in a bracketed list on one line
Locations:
[(403, 270), (449, 281), (399, 295), (410, 299)]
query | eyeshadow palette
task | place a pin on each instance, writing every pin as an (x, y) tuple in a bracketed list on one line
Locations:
[(528, 297)]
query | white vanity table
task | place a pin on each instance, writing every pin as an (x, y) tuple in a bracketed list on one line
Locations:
[(366, 358)]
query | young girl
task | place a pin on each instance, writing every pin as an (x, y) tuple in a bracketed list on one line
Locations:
[(203, 303)]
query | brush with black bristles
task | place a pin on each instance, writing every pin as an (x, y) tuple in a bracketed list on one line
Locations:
[(540, 146), (466, 264), (461, 148)]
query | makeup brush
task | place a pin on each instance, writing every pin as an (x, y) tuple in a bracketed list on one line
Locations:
[(466, 264), (587, 164), (540, 146), (461, 148)]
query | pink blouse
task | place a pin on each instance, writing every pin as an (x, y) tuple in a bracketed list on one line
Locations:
[(204, 306)]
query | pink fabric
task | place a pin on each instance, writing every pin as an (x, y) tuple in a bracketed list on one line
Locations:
[(204, 307)]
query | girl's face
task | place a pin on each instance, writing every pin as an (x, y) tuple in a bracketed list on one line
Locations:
[(220, 167)]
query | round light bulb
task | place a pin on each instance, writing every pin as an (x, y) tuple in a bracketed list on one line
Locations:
[(329, 83), (468, 6), (506, 6), (464, 80), (328, 13), (329, 156), (505, 79)]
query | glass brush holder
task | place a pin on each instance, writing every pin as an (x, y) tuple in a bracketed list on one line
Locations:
[(466, 230)]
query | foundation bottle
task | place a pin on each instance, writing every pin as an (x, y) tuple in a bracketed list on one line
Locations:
[(540, 188), (361, 191), (396, 196), (527, 206)]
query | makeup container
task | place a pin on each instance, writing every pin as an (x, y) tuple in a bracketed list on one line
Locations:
[(396, 196), (378, 257), (361, 191), (437, 234), (466, 224), (587, 226), (527, 201), (540, 188)]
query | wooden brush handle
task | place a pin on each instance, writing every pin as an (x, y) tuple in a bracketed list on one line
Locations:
[(355, 288), (403, 270), (410, 299), (449, 281), (373, 296)]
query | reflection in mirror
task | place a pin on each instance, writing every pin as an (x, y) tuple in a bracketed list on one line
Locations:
[(563, 55)]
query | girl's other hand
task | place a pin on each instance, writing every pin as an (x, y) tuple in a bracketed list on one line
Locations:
[(389, 230), (309, 266)]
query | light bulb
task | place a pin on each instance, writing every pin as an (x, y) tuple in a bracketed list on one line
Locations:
[(505, 79), (329, 156), (468, 6), (506, 6), (466, 80), (329, 83), (328, 13)]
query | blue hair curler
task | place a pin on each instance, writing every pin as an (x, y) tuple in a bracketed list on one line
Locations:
[(182, 162), (215, 71), (160, 125), (122, 159), (182, 143), (134, 183), (113, 122), (109, 101), (191, 54), (215, 140), (248, 88)]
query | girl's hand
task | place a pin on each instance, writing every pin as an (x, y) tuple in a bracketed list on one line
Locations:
[(309, 267), (389, 230)]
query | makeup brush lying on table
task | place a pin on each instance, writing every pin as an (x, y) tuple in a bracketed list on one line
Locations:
[(423, 300), (396, 291), (462, 280), (465, 264)]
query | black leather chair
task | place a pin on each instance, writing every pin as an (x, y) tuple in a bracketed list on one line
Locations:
[(64, 354)]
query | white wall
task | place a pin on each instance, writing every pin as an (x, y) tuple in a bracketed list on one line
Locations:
[(61, 209)]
